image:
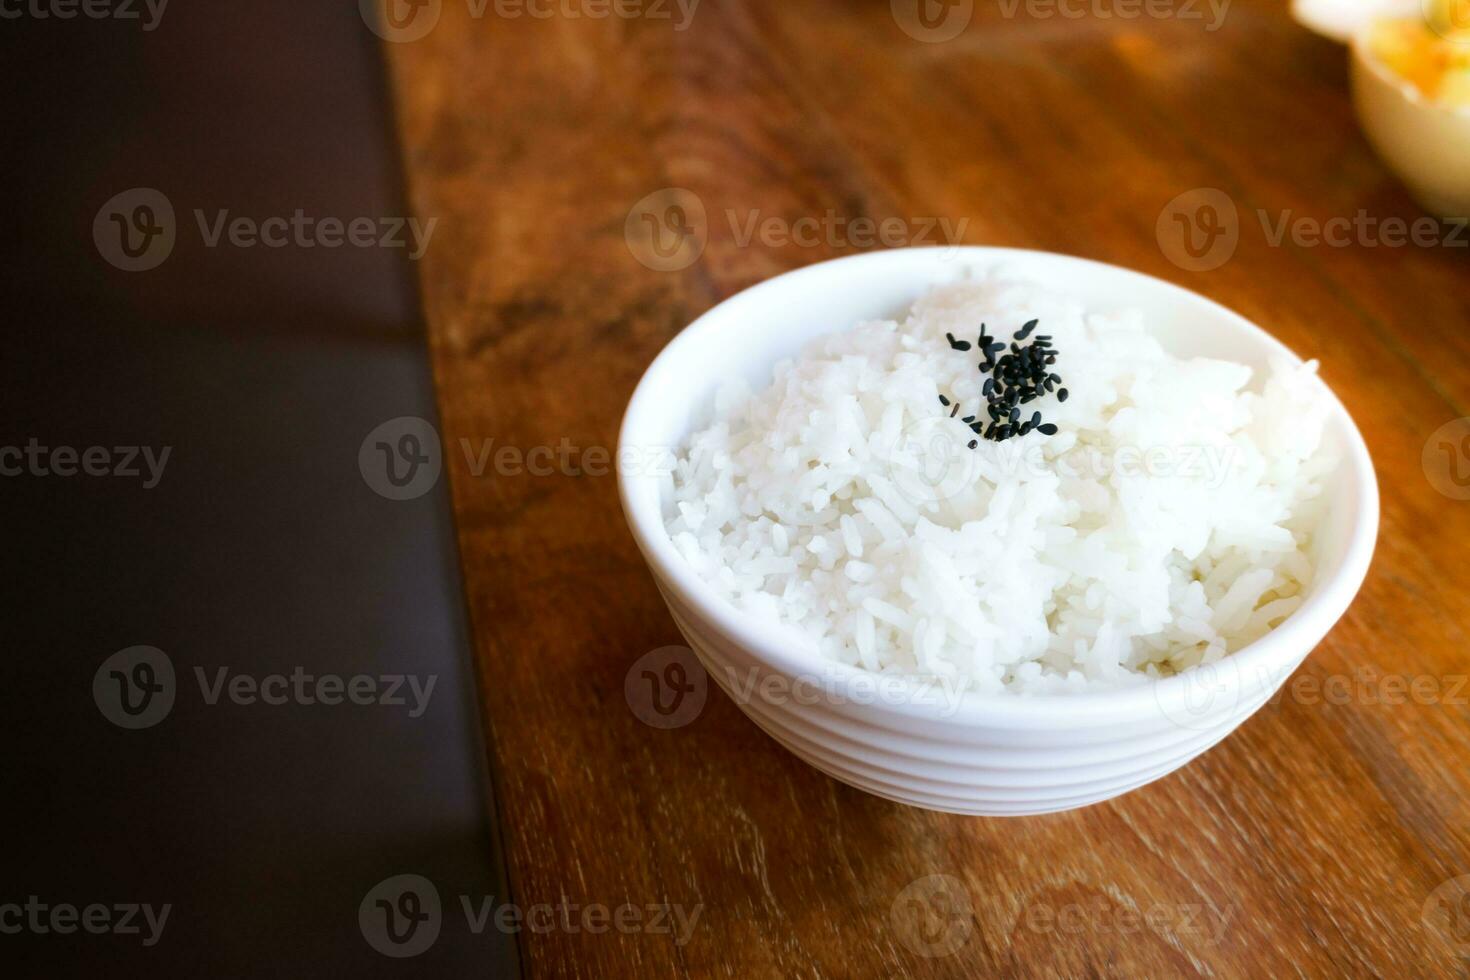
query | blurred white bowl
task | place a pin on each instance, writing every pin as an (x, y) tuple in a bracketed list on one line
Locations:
[(1341, 19), (1425, 143), (991, 755)]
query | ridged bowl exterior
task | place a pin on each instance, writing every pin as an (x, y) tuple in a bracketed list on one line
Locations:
[(953, 765)]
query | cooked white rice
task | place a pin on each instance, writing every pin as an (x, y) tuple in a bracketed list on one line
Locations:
[(1165, 525)]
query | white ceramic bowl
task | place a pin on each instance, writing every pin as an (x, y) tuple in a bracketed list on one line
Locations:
[(968, 753), (1339, 19), (1427, 144)]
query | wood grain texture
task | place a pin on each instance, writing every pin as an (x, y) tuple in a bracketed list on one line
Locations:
[(1307, 843)]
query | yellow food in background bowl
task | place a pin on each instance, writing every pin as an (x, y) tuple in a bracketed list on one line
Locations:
[(1411, 87), (1432, 53)]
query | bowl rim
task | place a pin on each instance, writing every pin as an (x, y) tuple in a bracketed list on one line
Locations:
[(1268, 660)]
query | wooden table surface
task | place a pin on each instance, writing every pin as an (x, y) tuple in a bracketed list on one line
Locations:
[(1322, 838)]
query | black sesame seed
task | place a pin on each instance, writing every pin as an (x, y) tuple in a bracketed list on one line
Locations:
[(954, 411), (1015, 378), (973, 443), (1062, 395), (1047, 429), (943, 400)]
